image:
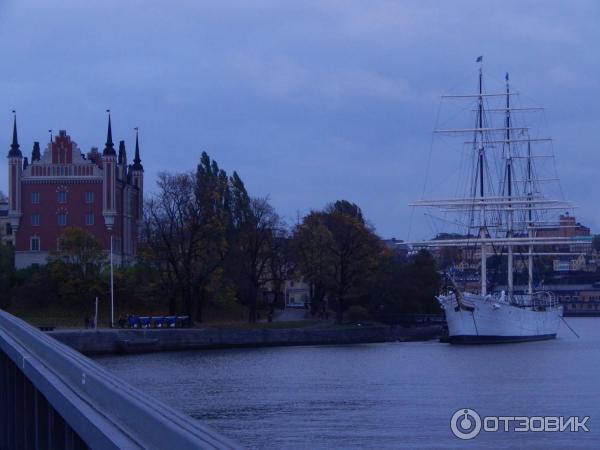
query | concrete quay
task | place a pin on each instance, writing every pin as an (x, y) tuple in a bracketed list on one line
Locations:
[(114, 341)]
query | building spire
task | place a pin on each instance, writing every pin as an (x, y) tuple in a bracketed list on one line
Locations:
[(14, 147), (109, 149), (137, 162)]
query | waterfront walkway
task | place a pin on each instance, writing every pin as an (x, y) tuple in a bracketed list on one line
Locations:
[(293, 315)]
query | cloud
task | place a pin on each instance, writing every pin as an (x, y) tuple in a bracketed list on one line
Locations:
[(288, 80), (309, 101)]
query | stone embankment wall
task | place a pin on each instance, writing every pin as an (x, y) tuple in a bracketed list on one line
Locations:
[(95, 342)]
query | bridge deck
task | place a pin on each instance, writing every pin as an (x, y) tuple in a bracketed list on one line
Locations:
[(52, 397)]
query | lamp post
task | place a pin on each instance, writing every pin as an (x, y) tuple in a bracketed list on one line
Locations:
[(109, 225), (96, 315), (112, 286)]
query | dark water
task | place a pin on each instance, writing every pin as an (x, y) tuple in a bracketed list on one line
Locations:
[(397, 395)]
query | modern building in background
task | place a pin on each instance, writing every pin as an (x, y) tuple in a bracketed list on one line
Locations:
[(61, 187)]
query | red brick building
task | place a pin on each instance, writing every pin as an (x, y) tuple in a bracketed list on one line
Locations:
[(62, 187), (567, 227)]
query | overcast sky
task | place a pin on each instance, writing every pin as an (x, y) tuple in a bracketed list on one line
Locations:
[(309, 101)]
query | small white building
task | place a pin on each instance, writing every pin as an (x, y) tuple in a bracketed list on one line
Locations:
[(297, 294)]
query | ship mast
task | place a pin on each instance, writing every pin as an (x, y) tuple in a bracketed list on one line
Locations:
[(530, 222), (482, 233), (481, 201), (509, 211)]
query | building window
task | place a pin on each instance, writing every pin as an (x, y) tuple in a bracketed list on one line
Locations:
[(89, 197), (62, 196), (35, 244), (62, 219), (35, 198), (35, 220), (89, 219)]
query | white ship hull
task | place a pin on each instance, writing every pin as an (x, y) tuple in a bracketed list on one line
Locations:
[(482, 320)]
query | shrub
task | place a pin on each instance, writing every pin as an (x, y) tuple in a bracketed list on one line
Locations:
[(357, 314)]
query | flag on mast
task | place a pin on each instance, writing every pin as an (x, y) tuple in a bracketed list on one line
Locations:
[(479, 58)]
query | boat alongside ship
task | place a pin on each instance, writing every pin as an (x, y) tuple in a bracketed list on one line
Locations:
[(502, 212)]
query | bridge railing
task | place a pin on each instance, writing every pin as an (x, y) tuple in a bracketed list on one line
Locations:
[(52, 397)]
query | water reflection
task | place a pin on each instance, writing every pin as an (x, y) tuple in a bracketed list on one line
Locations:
[(397, 395)]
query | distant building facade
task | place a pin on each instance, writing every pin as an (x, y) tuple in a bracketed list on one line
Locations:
[(61, 187), (6, 237), (297, 293), (576, 299), (397, 247), (567, 227), (575, 255), (580, 251), (294, 292)]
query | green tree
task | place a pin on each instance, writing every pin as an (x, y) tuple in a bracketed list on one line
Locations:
[(596, 242), (34, 286), (253, 245), (76, 265), (404, 287), (449, 257), (138, 285), (280, 266), (338, 251), (7, 268), (354, 253), (425, 283), (79, 248), (312, 243), (185, 233)]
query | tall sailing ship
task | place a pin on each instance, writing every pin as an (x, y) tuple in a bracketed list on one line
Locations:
[(503, 212)]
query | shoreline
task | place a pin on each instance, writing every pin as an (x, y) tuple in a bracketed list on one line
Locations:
[(127, 341)]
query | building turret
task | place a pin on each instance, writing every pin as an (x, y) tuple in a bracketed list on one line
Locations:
[(109, 148), (14, 151), (122, 164), (109, 165), (137, 162), (122, 153), (15, 171), (36, 155), (137, 178)]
